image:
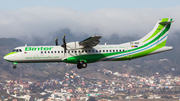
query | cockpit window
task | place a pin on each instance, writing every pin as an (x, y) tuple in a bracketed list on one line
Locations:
[(14, 50), (20, 50), (17, 50)]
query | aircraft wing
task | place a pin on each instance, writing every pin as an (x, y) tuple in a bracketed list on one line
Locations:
[(90, 42)]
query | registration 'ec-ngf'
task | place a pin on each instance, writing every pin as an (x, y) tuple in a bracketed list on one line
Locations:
[(89, 51)]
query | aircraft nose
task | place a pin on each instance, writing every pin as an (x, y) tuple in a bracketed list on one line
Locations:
[(5, 57), (9, 56)]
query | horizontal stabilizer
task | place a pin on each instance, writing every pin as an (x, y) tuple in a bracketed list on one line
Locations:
[(166, 22), (163, 49)]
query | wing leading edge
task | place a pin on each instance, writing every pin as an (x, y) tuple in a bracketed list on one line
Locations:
[(90, 42)]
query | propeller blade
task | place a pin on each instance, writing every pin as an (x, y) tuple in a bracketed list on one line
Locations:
[(56, 41), (64, 40), (64, 43)]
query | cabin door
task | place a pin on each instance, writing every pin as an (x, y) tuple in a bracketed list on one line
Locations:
[(132, 46), (129, 49)]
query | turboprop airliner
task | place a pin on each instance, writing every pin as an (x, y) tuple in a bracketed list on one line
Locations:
[(88, 50)]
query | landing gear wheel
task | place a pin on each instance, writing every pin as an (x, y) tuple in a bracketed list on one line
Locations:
[(84, 65), (14, 66), (81, 64)]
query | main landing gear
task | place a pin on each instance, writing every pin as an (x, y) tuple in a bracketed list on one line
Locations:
[(14, 63), (81, 64)]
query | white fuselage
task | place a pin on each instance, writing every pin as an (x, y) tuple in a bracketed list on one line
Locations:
[(30, 54), (57, 54)]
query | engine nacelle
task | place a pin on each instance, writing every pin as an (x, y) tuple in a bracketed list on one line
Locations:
[(73, 45)]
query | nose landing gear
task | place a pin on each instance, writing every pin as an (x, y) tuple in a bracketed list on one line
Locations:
[(14, 63), (14, 66), (81, 64)]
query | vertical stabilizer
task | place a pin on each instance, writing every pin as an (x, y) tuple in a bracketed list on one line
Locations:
[(159, 33)]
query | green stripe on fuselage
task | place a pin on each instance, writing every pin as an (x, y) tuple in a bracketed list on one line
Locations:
[(143, 53), (11, 53), (90, 58)]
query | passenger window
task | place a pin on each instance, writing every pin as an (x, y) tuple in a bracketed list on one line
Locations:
[(103, 50), (106, 50), (75, 51), (113, 51), (86, 51), (116, 50), (58, 51), (68, 51), (54, 51), (96, 50), (109, 50), (41, 51), (44, 51), (89, 51), (99, 50), (119, 50), (123, 50), (92, 50), (61, 51), (51, 51), (48, 51), (72, 51), (82, 51), (79, 51)]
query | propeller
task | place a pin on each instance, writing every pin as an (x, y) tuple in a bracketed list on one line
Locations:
[(56, 41), (64, 43)]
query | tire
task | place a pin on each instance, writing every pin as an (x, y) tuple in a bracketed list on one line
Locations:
[(79, 66), (14, 66), (84, 65)]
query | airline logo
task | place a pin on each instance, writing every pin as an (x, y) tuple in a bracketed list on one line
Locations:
[(134, 46), (38, 48)]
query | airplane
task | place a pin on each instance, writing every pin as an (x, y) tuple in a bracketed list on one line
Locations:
[(89, 51)]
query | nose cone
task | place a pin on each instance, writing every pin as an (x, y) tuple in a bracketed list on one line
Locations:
[(8, 57), (5, 57)]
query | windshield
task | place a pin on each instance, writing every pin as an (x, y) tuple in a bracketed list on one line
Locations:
[(17, 50)]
